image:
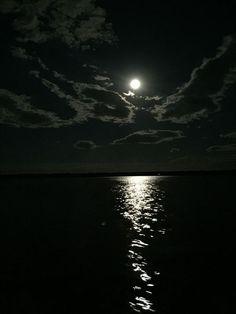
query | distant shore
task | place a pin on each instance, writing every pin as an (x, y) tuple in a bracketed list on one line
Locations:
[(115, 174)]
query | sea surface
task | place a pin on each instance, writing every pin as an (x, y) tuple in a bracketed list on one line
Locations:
[(122, 245)]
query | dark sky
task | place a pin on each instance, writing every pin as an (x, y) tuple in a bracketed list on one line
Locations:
[(65, 100)]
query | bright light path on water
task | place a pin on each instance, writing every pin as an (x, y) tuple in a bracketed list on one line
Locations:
[(140, 202)]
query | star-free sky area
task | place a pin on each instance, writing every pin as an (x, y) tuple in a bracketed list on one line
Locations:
[(66, 104)]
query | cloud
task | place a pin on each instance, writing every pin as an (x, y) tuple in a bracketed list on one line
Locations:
[(85, 145), (55, 89), (75, 23), (222, 148), (21, 53), (104, 80), (109, 106), (91, 101), (88, 101), (228, 81), (101, 78), (17, 111), (205, 90), (35, 73), (150, 137), (145, 103), (91, 66), (82, 111), (231, 135)]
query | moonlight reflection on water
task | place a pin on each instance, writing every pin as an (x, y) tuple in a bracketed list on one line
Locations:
[(140, 202)]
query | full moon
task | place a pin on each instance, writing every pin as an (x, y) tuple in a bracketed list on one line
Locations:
[(135, 84)]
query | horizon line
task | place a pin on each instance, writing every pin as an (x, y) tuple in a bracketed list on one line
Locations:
[(120, 173)]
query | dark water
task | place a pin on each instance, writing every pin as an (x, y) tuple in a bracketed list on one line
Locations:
[(118, 245)]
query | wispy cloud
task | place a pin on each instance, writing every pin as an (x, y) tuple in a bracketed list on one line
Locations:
[(231, 135), (203, 93), (104, 80), (75, 23), (20, 52), (88, 101), (147, 137), (85, 145), (222, 148), (92, 101), (17, 111), (101, 78)]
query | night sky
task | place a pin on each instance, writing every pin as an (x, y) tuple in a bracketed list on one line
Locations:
[(65, 100)]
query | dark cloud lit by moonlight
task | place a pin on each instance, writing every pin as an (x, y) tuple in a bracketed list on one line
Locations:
[(85, 92)]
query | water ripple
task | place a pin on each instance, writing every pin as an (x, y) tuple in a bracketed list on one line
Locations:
[(139, 200)]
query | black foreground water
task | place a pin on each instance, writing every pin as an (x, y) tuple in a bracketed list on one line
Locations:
[(118, 245)]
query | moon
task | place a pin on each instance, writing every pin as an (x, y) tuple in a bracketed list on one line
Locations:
[(135, 84)]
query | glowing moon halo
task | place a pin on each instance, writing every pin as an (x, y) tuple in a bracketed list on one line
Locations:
[(135, 84)]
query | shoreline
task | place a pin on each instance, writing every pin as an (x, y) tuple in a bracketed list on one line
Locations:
[(116, 174)]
